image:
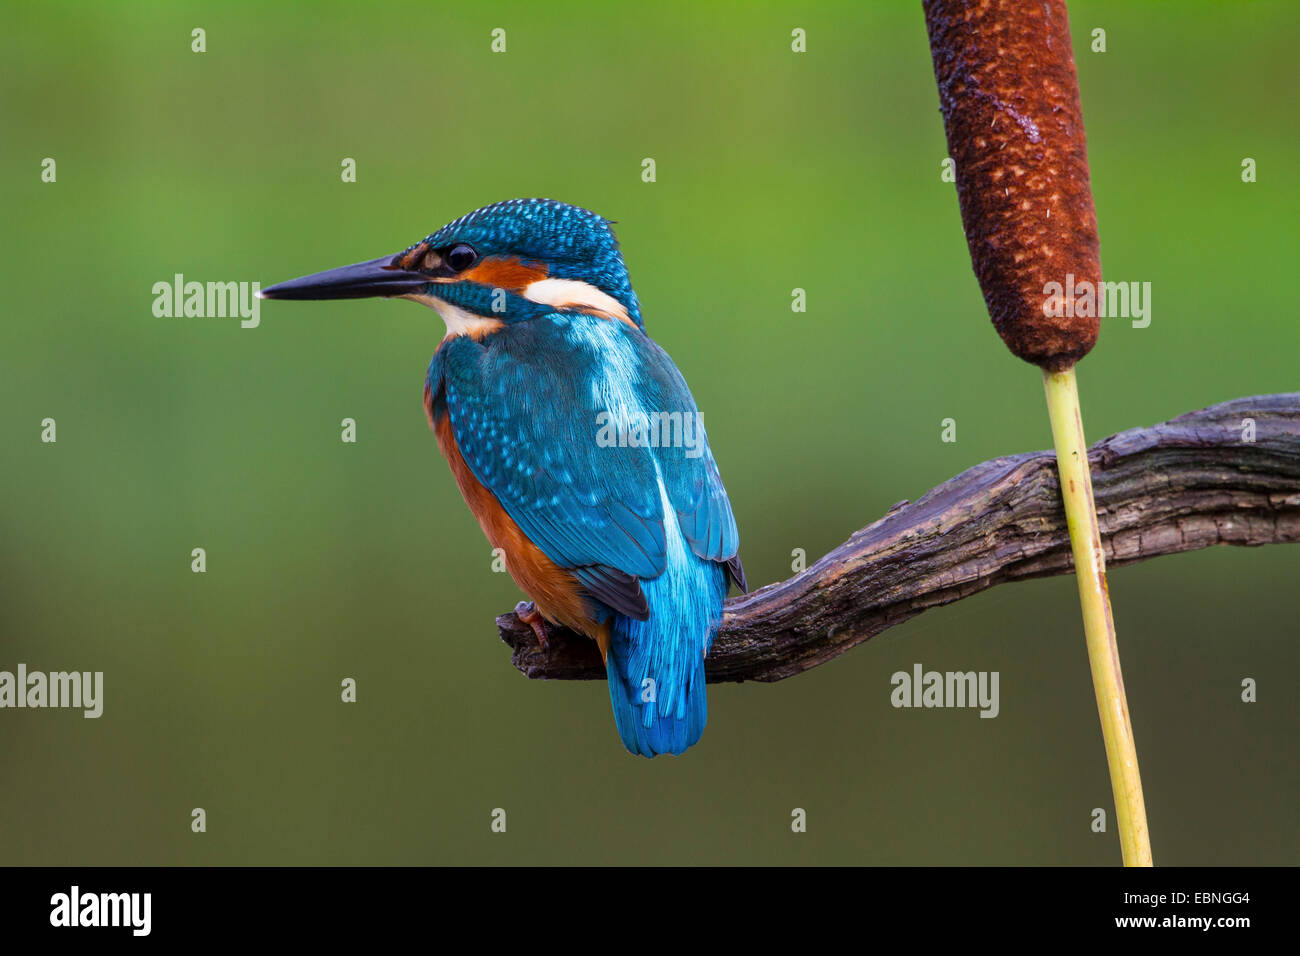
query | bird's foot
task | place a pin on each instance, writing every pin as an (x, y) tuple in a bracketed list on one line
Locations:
[(527, 612)]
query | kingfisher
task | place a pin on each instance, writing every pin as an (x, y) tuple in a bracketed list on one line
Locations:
[(575, 442)]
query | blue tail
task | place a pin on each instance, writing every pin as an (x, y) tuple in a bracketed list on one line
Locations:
[(656, 667)]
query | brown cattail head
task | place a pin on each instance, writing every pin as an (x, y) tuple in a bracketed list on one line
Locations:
[(1010, 101)]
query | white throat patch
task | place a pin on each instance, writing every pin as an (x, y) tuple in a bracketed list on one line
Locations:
[(457, 320)]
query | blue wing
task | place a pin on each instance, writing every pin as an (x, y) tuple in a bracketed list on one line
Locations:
[(527, 405)]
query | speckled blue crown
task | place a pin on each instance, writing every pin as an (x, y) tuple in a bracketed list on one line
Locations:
[(575, 243)]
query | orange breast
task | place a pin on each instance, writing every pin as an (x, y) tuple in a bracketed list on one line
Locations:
[(555, 591)]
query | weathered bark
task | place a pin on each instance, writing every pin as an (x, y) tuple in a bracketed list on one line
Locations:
[(1184, 485)]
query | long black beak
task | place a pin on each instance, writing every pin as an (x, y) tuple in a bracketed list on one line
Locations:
[(378, 277)]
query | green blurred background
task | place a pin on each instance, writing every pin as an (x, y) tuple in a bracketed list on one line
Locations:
[(328, 560)]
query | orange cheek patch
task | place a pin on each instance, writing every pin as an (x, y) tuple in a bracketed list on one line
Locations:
[(504, 272)]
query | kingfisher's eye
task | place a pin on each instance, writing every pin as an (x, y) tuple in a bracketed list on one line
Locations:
[(460, 257)]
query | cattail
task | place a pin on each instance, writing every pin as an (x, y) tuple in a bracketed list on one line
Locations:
[(1009, 95), (1010, 101)]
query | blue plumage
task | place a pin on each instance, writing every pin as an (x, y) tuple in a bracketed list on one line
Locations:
[(526, 404), (576, 443), (574, 243), (655, 667)]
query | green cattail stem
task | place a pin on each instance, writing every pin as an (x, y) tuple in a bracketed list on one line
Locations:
[(1098, 624)]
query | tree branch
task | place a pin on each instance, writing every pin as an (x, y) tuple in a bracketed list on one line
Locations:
[(1184, 485)]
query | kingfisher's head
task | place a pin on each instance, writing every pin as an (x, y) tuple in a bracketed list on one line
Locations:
[(507, 262)]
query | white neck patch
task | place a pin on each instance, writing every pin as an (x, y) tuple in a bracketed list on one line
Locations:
[(575, 294)]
